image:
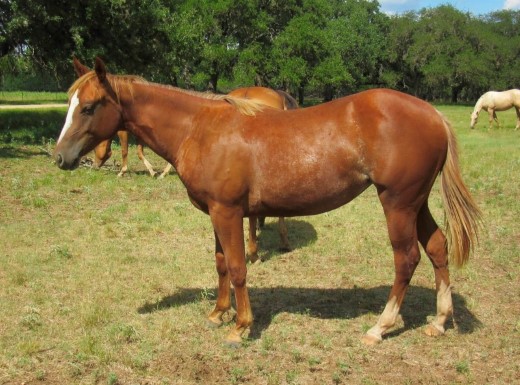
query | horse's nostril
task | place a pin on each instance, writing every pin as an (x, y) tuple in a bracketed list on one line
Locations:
[(59, 160)]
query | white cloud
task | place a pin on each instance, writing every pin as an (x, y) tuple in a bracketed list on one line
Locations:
[(512, 4)]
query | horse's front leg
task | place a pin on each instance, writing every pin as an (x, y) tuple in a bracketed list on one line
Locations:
[(166, 171), (223, 297), (229, 227), (123, 141), (517, 118), (147, 164), (492, 116), (495, 118)]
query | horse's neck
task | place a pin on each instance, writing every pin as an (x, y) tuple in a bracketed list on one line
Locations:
[(478, 106), (161, 118)]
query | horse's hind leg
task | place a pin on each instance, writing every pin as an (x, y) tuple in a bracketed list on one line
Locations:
[(517, 118), (252, 241), (434, 243), (401, 224)]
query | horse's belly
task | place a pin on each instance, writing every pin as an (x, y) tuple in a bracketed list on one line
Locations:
[(307, 196)]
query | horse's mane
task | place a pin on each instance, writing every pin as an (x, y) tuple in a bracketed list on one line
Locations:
[(117, 82)]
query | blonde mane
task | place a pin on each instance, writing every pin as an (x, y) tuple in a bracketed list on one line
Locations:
[(244, 106)]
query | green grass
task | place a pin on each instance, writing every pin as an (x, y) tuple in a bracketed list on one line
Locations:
[(30, 97), (109, 280)]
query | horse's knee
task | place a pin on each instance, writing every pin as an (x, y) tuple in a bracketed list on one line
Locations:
[(220, 263), (237, 274)]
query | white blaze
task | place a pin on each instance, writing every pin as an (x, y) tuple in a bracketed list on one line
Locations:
[(74, 102)]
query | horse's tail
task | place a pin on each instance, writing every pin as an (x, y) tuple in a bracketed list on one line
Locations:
[(463, 217)]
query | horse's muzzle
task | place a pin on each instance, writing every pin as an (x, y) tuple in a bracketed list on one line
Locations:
[(64, 164)]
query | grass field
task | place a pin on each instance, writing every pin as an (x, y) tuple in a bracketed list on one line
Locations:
[(107, 280), (30, 97)]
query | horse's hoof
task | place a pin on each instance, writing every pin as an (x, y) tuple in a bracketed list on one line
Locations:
[(433, 331), (371, 340), (284, 249), (232, 344), (233, 340), (213, 324), (254, 259)]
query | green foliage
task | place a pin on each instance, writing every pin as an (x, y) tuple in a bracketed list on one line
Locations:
[(325, 47), (442, 53)]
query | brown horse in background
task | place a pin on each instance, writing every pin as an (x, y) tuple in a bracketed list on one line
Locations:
[(280, 100), (103, 152), (276, 99), (229, 153)]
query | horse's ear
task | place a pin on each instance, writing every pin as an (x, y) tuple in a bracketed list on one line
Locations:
[(79, 68), (101, 70)]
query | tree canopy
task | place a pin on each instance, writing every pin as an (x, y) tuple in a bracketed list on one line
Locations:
[(322, 47)]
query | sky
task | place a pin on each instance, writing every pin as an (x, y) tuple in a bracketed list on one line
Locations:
[(476, 7)]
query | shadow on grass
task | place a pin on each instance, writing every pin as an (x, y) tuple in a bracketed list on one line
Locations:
[(331, 304), (12, 151), (300, 234)]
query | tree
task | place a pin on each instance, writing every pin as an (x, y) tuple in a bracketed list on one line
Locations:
[(503, 40)]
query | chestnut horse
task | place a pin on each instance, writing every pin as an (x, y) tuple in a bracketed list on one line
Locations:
[(494, 101), (238, 158)]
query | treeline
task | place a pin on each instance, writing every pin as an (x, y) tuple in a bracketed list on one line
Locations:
[(326, 48)]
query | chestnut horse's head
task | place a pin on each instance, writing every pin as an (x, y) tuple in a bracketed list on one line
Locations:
[(94, 115)]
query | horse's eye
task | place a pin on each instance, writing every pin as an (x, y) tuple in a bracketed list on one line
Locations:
[(88, 109)]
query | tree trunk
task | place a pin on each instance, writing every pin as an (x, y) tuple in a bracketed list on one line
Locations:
[(328, 93), (300, 95)]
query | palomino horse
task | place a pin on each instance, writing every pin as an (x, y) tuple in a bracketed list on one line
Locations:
[(239, 159), (493, 101), (280, 100)]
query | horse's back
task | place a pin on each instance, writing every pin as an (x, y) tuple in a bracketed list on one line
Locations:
[(382, 137), (500, 100), (263, 95)]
